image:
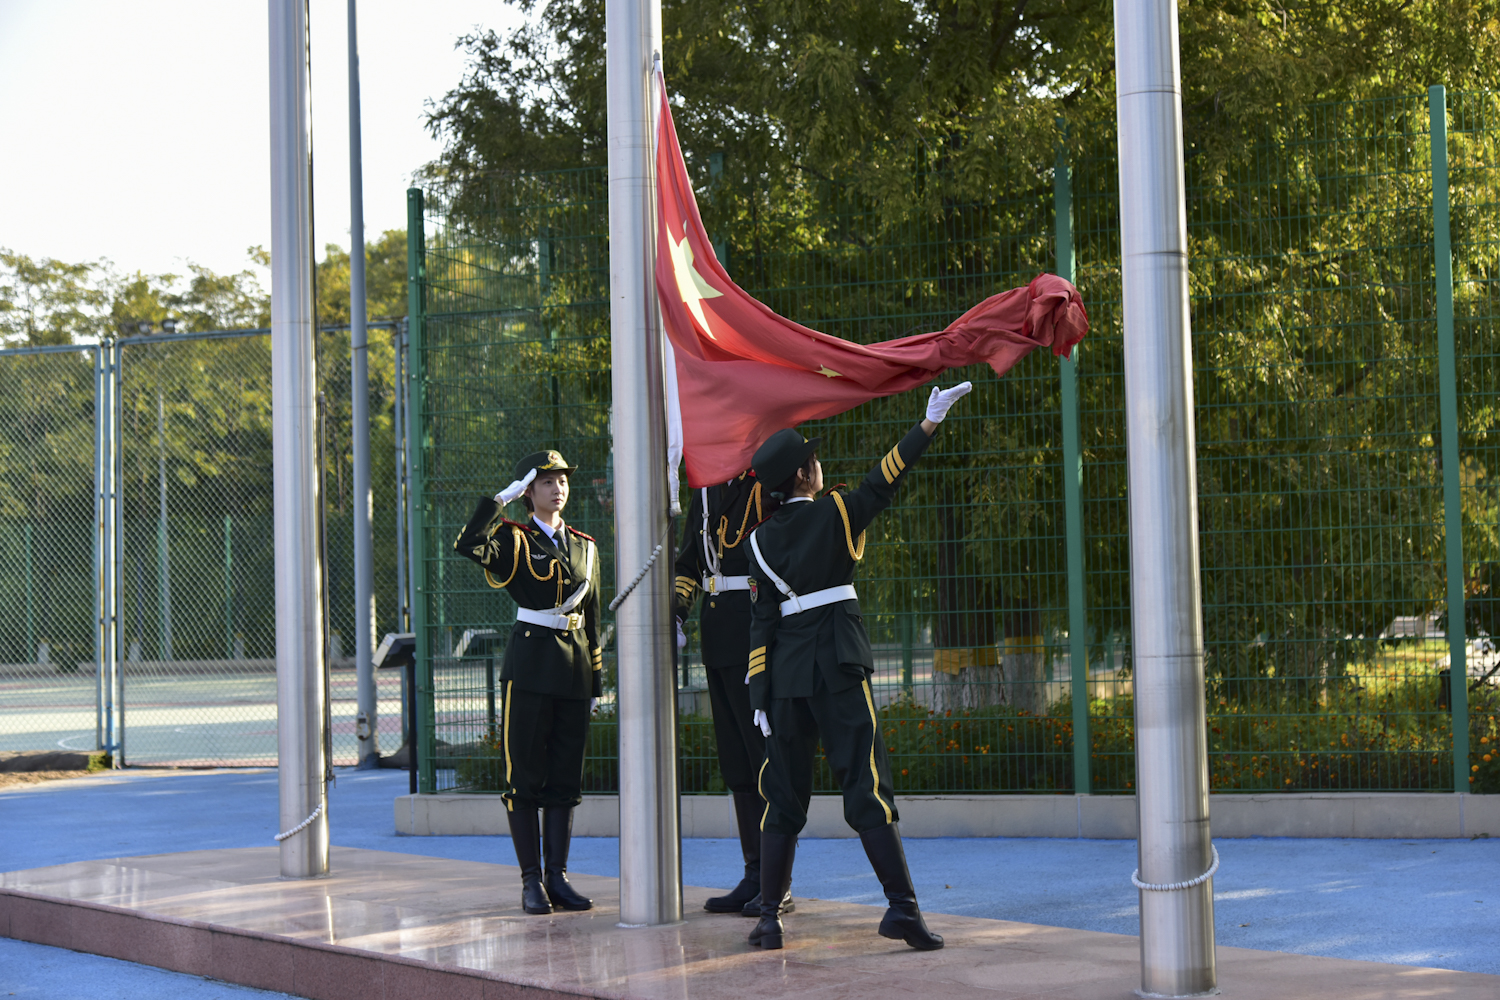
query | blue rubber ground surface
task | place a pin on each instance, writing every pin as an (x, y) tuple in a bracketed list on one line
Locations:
[(1421, 902)]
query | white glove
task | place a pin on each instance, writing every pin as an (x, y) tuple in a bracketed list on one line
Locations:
[(594, 706), (763, 722), (518, 487), (681, 636), (941, 400)]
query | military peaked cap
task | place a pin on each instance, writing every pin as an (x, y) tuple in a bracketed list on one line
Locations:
[(543, 461), (781, 456)]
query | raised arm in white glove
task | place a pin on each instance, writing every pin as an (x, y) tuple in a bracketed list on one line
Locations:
[(942, 400), (515, 489), (763, 722)]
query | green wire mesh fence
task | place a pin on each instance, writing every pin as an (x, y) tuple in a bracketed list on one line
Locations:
[(1317, 352), (48, 687)]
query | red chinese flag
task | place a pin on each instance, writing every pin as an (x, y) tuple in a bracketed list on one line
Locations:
[(744, 372)]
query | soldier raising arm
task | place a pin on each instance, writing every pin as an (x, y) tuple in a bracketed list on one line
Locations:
[(552, 666), (810, 666)]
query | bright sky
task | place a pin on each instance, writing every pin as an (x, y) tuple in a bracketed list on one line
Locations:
[(139, 131)]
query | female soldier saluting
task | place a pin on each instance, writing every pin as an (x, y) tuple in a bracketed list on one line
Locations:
[(551, 670), (810, 667)]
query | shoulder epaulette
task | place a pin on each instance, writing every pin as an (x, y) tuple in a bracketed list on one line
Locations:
[(840, 486), (581, 534), (515, 524)]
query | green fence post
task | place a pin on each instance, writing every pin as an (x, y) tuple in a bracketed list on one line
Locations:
[(1078, 649), (416, 444), (1442, 250)]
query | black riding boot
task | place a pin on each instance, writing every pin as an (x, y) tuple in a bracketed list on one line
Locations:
[(523, 833), (747, 810), (752, 908), (902, 921), (776, 853), (557, 833)]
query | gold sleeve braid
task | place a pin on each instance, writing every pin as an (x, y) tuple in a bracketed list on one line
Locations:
[(757, 661), (891, 465), (856, 552), (515, 562)]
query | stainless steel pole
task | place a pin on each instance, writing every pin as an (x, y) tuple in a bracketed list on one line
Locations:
[(299, 626), (650, 847), (366, 726), (103, 572), (1177, 925), (115, 700)]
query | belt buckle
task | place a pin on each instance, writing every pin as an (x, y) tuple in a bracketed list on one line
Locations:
[(575, 621), (713, 585)]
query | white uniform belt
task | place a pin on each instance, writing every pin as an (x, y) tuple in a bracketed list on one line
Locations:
[(718, 584), (818, 598), (563, 623)]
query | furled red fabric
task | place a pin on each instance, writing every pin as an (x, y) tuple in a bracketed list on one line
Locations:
[(744, 372)]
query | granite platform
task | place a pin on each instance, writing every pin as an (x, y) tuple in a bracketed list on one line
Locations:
[(384, 926)]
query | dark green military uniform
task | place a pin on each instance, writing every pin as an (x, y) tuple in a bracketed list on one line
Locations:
[(810, 670), (549, 674), (552, 668), (714, 562)]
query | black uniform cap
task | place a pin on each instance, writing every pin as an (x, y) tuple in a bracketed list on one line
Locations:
[(543, 461), (781, 455)]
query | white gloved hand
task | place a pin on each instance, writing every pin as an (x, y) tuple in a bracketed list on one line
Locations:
[(515, 489), (594, 706), (941, 400), (763, 722), (681, 636)]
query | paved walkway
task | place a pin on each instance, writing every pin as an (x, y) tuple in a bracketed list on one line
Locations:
[(1413, 902)]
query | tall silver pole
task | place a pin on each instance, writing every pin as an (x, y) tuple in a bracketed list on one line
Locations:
[(1177, 925), (359, 414), (299, 626), (650, 845)]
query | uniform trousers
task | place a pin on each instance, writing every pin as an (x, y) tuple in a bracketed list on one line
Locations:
[(543, 740), (850, 731), (741, 745)]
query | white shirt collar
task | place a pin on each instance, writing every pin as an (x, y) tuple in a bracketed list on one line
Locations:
[(800, 500), (547, 528)]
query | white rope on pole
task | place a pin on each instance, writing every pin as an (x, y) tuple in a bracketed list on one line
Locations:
[(1173, 886), (302, 825)]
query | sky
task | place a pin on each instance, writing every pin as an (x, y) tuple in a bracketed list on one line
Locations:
[(139, 131)]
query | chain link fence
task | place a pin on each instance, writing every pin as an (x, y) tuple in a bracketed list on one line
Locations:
[(1318, 356), (196, 680), (48, 681)]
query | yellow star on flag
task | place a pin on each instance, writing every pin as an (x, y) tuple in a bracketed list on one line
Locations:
[(828, 372), (690, 284)]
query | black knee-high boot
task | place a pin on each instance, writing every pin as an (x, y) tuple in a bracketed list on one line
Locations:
[(902, 921), (747, 809), (557, 834), (777, 851), (523, 833)]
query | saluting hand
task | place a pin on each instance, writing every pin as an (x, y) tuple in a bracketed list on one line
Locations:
[(942, 400), (515, 489)]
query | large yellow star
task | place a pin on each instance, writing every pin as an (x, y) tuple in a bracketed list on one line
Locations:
[(690, 284), (827, 372)]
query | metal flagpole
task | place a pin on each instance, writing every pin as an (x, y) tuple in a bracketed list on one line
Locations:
[(650, 848), (299, 627), (1177, 919), (359, 414)]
